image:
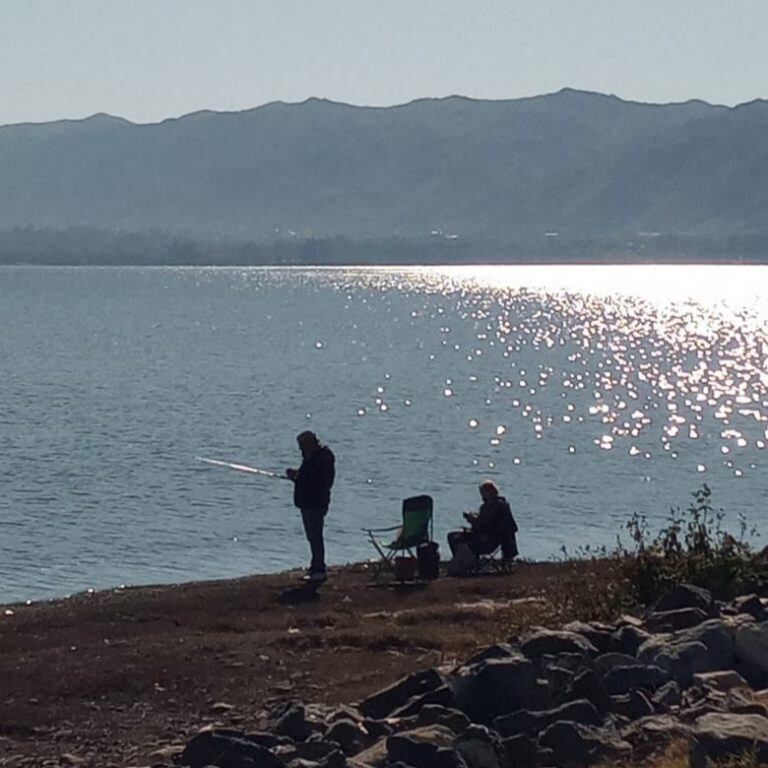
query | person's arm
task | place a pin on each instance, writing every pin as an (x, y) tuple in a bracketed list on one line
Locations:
[(292, 473)]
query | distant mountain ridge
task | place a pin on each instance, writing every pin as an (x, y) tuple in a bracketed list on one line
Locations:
[(580, 164)]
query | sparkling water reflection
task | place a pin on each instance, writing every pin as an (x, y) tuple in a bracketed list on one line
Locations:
[(587, 393)]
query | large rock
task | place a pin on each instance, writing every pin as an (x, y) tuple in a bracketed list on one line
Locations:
[(496, 687), (706, 647), (558, 678), (587, 685), (667, 696), (530, 723), (385, 701), (751, 650), (650, 733), (430, 747), (622, 680), (718, 736), (685, 596), (453, 719), (750, 604), (630, 638), (348, 734), (718, 635), (608, 661), (373, 757), (315, 749), (633, 705), (289, 719), (442, 696), (573, 744), (480, 748), (496, 651), (679, 660), (554, 642), (601, 636), (520, 751), (227, 749), (722, 680), (673, 621)]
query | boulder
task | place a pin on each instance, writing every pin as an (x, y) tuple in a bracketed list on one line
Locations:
[(575, 662), (529, 723), (723, 680), (496, 687), (751, 650), (315, 749), (378, 728), (667, 696), (678, 660), (673, 621), (348, 734), (587, 685), (630, 638), (601, 636), (373, 757), (289, 719), (520, 751), (650, 733), (497, 651), (336, 759), (573, 744), (558, 678), (442, 696), (480, 748), (718, 736), (685, 596), (429, 747), (554, 642), (718, 635), (227, 749), (707, 647), (632, 706), (385, 701), (607, 661), (434, 714), (624, 679), (752, 605)]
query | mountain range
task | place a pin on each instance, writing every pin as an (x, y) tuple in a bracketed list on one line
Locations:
[(579, 164)]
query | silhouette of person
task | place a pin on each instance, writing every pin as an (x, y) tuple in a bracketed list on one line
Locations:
[(312, 495), (491, 526)]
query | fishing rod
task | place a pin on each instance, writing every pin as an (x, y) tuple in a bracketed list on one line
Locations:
[(243, 468)]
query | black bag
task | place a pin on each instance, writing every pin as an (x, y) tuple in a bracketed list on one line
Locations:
[(428, 557)]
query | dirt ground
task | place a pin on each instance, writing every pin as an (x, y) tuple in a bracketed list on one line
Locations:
[(120, 678)]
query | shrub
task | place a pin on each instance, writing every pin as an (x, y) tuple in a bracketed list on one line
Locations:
[(695, 548)]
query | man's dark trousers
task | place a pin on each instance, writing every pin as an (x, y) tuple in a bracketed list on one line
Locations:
[(313, 520)]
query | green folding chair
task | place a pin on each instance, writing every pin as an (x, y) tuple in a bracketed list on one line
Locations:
[(416, 529)]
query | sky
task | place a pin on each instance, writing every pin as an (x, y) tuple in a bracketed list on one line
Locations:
[(147, 60)]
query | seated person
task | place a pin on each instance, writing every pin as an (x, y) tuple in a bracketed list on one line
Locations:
[(491, 526)]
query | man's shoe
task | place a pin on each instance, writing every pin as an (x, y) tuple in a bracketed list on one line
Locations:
[(317, 576)]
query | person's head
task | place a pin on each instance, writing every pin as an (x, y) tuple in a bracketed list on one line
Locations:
[(308, 443), (488, 491)]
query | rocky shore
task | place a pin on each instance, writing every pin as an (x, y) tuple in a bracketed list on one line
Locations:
[(691, 669), (459, 672)]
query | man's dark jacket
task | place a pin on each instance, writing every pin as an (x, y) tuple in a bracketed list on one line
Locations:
[(313, 483)]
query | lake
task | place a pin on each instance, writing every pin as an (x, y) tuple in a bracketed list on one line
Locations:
[(587, 393)]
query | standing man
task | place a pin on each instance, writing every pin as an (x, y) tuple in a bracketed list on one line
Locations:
[(312, 495)]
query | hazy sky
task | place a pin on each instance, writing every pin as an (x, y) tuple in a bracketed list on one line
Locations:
[(151, 59)]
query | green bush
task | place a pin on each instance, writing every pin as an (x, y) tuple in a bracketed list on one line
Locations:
[(694, 548)]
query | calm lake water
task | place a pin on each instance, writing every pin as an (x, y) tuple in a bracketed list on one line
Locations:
[(586, 393)]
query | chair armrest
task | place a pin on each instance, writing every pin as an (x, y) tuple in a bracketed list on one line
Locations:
[(381, 530)]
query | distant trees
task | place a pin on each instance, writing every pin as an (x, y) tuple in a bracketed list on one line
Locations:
[(84, 246)]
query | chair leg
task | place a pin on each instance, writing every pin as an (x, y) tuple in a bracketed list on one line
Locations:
[(386, 557)]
